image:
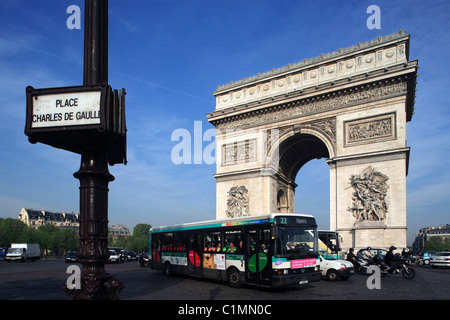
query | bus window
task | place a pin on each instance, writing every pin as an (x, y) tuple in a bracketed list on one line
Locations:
[(251, 234), (167, 241), (179, 242), (233, 242), (265, 240), (213, 242)]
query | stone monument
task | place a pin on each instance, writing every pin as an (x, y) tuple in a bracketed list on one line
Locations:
[(349, 107)]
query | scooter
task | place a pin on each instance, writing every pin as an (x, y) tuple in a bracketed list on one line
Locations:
[(144, 260), (362, 264)]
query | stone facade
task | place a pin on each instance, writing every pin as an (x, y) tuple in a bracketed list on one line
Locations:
[(36, 218), (349, 107)]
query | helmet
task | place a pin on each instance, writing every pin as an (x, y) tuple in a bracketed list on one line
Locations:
[(369, 248), (392, 248), (351, 249)]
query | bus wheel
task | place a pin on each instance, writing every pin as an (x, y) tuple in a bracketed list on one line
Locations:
[(167, 270), (234, 278)]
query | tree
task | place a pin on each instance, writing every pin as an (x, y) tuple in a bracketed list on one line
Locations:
[(140, 235), (70, 239), (46, 235), (437, 244), (137, 242), (49, 237), (13, 231)]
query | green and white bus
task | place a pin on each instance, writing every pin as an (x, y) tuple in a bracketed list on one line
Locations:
[(262, 250), (330, 241)]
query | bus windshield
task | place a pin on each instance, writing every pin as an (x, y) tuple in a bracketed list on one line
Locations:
[(296, 242)]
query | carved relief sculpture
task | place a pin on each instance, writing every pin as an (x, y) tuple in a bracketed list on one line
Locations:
[(372, 129), (369, 196), (239, 152), (237, 202), (368, 130)]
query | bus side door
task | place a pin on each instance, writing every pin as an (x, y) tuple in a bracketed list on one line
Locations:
[(156, 252), (195, 266), (258, 266)]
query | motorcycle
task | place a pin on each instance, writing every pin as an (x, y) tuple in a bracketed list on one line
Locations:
[(402, 267), (411, 259), (144, 260), (363, 264)]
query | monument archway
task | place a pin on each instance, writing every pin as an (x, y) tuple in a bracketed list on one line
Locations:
[(349, 107)]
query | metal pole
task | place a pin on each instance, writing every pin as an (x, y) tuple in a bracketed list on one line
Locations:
[(95, 42), (93, 174)]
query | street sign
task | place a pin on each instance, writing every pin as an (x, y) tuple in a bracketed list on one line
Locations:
[(67, 109), (56, 109), (74, 118)]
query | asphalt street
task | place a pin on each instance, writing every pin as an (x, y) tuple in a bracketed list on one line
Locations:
[(43, 280)]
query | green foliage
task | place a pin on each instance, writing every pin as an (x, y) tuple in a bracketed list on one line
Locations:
[(137, 242), (48, 236), (437, 244), (59, 241), (13, 230)]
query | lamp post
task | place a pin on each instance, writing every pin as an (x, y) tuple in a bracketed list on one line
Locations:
[(98, 134), (93, 174)]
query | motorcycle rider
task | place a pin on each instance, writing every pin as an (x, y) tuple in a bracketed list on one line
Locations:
[(368, 255), (352, 258), (391, 259), (406, 253)]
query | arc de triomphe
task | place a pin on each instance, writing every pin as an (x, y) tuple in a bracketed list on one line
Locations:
[(349, 107)]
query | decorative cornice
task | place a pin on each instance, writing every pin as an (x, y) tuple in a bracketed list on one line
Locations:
[(394, 70), (321, 103)]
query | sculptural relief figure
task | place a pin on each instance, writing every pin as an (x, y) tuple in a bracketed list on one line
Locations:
[(237, 202), (369, 196)]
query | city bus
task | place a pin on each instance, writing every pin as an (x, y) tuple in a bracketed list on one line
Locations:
[(263, 250), (330, 241)]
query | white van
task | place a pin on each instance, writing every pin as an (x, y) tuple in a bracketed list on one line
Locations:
[(23, 252), (334, 269)]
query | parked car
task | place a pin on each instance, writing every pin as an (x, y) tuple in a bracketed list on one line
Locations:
[(131, 255), (3, 252), (113, 257), (335, 269), (441, 259), (71, 256), (375, 251), (424, 257)]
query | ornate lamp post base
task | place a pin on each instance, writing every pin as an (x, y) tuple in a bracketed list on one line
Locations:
[(93, 253), (97, 287)]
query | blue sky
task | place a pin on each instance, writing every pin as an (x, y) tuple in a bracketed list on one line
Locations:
[(170, 56)]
